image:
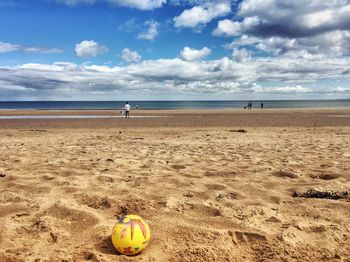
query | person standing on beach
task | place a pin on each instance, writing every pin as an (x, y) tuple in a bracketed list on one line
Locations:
[(262, 105), (127, 110)]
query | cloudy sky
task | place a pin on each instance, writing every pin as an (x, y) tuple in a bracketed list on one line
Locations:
[(174, 49)]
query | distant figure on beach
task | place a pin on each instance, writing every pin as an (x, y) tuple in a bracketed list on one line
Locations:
[(127, 110), (250, 104), (136, 107), (262, 105)]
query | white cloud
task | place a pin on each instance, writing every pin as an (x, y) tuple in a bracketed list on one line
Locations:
[(291, 76), (190, 54), (58, 66), (331, 44), (342, 89), (241, 55), (152, 31), (278, 47), (289, 89), (227, 28), (280, 89), (294, 19), (130, 56), (42, 50), (88, 48), (6, 86), (202, 14), (295, 28), (7, 47)]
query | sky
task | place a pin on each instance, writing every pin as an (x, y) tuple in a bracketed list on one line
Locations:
[(174, 49)]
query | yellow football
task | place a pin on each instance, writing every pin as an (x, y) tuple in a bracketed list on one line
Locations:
[(131, 235)]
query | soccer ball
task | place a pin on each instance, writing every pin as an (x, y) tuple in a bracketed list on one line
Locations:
[(131, 235)]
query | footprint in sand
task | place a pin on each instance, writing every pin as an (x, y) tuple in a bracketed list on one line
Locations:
[(106, 179), (76, 220), (70, 189), (220, 173), (178, 167), (200, 235), (246, 237), (132, 206), (203, 253), (10, 209), (95, 202), (273, 219), (227, 196), (284, 174), (316, 229), (145, 166), (215, 187), (48, 177), (206, 210), (191, 176), (105, 246), (89, 256), (325, 176), (31, 188), (10, 197), (135, 181)]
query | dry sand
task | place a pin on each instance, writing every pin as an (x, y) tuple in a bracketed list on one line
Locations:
[(209, 193)]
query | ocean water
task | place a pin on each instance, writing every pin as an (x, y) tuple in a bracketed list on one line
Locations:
[(65, 105)]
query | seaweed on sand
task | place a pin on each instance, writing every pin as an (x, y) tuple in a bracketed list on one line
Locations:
[(323, 194)]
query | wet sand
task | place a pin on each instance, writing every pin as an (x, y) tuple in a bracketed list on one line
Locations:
[(213, 185), (180, 118)]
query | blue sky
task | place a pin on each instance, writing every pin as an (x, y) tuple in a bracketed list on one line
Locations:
[(52, 24), (174, 49)]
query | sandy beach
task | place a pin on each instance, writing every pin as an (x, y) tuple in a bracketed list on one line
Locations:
[(214, 185)]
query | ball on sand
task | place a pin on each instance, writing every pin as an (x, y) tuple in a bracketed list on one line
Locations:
[(130, 235)]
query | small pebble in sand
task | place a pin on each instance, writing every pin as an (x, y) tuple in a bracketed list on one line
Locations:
[(283, 174)]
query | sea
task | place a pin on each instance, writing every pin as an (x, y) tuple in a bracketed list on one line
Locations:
[(158, 105)]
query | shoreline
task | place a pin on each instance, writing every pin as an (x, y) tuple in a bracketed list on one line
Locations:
[(175, 118), (179, 110)]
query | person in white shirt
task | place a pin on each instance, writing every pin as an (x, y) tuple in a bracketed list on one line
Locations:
[(127, 110)]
